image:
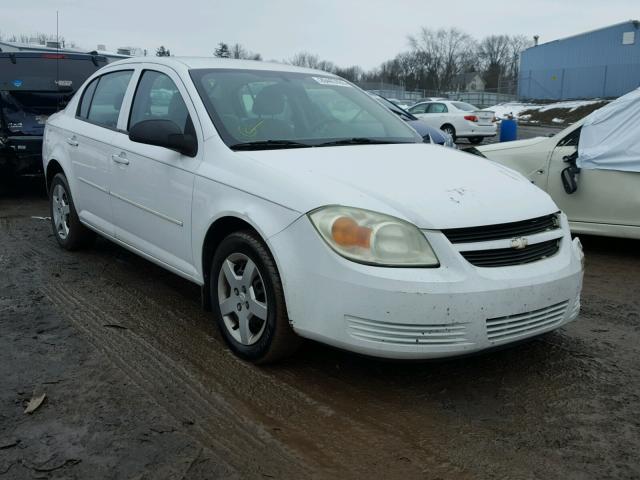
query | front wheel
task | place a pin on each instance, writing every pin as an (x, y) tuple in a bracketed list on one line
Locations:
[(70, 233), (476, 140), (248, 300)]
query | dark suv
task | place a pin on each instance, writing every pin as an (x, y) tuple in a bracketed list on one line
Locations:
[(34, 85)]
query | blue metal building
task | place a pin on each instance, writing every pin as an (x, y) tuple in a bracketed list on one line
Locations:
[(600, 63)]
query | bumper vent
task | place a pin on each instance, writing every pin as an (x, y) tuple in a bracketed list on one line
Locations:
[(405, 334), (503, 230), (525, 324), (504, 257)]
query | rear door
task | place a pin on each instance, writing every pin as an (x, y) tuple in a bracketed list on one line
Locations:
[(90, 146), (437, 115), (603, 196), (152, 187)]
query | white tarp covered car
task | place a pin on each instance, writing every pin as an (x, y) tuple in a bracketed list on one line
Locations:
[(599, 189), (609, 137)]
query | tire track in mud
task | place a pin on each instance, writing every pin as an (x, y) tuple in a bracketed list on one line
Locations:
[(322, 439), (214, 420)]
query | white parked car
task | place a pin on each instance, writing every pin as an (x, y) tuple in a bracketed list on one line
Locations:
[(602, 198), (458, 119), (304, 208)]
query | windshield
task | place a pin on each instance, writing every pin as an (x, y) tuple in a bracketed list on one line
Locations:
[(402, 113), (269, 109), (465, 107)]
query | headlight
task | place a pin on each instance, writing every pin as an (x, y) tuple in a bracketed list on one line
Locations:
[(373, 238)]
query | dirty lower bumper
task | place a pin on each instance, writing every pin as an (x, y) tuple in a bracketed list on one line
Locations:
[(408, 313)]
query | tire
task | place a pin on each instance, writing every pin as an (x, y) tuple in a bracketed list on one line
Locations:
[(261, 333), (70, 233), (450, 130), (476, 140)]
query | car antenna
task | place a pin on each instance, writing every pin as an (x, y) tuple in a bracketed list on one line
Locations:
[(57, 56)]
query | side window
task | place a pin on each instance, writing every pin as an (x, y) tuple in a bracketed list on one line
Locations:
[(107, 98), (158, 98), (438, 108), (422, 108), (85, 101), (572, 139)]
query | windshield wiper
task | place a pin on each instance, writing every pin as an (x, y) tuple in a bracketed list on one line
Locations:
[(268, 144), (355, 141)]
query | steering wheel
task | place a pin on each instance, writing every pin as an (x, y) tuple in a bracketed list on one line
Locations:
[(323, 123)]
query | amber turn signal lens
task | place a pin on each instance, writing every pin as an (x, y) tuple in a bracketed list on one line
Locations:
[(347, 233)]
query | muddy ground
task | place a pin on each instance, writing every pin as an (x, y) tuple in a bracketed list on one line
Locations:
[(139, 384)]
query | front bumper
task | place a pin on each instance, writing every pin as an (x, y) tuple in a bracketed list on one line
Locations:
[(416, 313)]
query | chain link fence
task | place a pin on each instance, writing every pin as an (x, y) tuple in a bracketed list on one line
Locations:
[(481, 99)]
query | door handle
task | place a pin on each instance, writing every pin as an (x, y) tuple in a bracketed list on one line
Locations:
[(120, 158), (72, 141), (540, 172)]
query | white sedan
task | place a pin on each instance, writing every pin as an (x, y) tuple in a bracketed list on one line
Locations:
[(458, 119), (304, 208)]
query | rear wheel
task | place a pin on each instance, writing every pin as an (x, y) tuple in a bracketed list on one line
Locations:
[(70, 233), (476, 140), (248, 300), (450, 130)]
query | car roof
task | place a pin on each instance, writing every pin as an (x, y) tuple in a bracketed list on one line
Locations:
[(225, 63)]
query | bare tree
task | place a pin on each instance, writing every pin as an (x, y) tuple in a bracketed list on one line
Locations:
[(444, 54), (238, 51), (309, 60), (494, 53)]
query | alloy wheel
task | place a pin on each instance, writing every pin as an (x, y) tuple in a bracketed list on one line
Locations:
[(61, 211), (242, 299)]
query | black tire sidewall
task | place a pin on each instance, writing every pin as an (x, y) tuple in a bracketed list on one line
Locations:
[(235, 243), (72, 240)]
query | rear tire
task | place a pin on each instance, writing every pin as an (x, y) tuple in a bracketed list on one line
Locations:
[(476, 140), (70, 233), (248, 302), (450, 130)]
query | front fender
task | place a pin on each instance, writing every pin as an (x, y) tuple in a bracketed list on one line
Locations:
[(213, 201)]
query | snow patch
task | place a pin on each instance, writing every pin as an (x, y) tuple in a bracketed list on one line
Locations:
[(503, 110)]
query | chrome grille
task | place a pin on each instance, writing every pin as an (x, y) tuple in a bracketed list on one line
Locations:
[(408, 334), (504, 257), (511, 327), (503, 230)]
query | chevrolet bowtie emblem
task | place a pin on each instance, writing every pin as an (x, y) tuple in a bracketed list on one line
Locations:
[(519, 243)]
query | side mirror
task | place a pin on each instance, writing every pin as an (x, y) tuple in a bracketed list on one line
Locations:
[(569, 181), (166, 134)]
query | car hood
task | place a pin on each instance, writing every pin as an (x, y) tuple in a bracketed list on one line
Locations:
[(430, 186), (494, 147)]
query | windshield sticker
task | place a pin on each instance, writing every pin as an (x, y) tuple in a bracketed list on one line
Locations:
[(331, 81), (17, 83)]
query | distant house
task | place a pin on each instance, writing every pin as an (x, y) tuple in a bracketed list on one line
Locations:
[(54, 47), (469, 82)]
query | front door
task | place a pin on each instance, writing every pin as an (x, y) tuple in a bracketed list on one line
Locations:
[(603, 196), (152, 187)]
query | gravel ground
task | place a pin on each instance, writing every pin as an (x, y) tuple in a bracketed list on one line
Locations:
[(139, 384)]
